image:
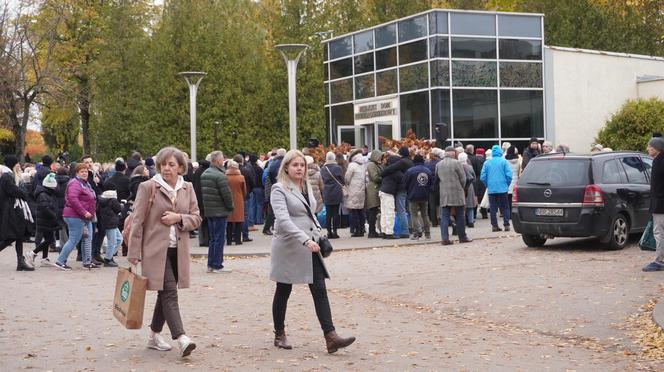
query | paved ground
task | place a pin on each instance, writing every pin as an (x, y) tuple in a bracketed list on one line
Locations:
[(489, 305)]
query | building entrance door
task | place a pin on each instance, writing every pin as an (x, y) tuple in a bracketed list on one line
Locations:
[(365, 134)]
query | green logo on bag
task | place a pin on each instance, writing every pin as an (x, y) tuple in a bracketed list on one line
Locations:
[(124, 291)]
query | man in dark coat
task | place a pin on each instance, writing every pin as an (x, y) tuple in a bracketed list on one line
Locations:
[(530, 152), (477, 162), (247, 172), (434, 196), (257, 193), (275, 163), (119, 180), (218, 203), (12, 225), (418, 180), (656, 150), (42, 172), (203, 234)]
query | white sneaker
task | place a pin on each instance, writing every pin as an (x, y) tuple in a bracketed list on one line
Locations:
[(186, 345), (157, 342), (30, 258), (46, 262)]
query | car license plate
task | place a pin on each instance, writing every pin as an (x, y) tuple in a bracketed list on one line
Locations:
[(555, 212)]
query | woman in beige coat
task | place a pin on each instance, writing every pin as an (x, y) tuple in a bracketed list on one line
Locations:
[(165, 211)]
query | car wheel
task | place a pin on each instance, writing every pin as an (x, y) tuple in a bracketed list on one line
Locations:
[(533, 241), (618, 233)]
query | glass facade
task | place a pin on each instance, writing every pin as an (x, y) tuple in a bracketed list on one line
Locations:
[(475, 77)]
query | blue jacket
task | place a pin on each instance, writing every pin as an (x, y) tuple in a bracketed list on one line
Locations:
[(418, 181), (496, 172)]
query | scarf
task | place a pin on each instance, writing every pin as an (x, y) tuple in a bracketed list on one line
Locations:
[(173, 195)]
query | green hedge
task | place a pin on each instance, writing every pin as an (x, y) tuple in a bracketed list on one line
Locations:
[(631, 128)]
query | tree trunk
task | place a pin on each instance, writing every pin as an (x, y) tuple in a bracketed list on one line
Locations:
[(21, 129), (84, 109)]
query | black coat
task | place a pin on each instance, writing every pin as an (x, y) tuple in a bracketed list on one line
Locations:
[(133, 186), (657, 185), (274, 169), (46, 216), (528, 154), (401, 166), (12, 224), (393, 181), (60, 191), (121, 182), (332, 176), (203, 165), (258, 175), (39, 178), (249, 177), (108, 210)]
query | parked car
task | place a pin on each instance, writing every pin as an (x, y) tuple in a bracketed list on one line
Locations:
[(604, 195)]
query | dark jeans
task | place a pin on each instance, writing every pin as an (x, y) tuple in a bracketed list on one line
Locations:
[(372, 215), (48, 238), (357, 221), (167, 309), (203, 234), (332, 218), (434, 200), (97, 239), (318, 292), (217, 227), (460, 213), (269, 220), (497, 201), (247, 220), (234, 232)]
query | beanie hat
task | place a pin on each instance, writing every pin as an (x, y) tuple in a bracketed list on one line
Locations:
[(330, 156), (49, 181), (463, 157), (657, 143), (149, 162), (253, 159), (120, 166), (308, 159), (47, 161), (11, 161), (533, 140), (418, 159), (479, 151), (403, 152)]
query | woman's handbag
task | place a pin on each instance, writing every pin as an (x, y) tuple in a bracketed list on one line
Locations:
[(647, 241), (129, 299), (323, 242)]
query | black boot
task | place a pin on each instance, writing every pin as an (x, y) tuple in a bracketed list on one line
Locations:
[(22, 265)]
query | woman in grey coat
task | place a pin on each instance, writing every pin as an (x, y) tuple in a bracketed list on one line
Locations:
[(295, 257)]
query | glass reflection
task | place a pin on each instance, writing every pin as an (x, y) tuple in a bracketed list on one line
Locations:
[(522, 113), (412, 28), (475, 113), (520, 49), (414, 111), (413, 52), (386, 35), (474, 74), (386, 82), (386, 58), (464, 47)]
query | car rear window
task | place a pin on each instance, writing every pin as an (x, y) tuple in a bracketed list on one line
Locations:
[(557, 172)]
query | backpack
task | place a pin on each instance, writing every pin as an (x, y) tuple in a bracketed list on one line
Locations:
[(126, 230)]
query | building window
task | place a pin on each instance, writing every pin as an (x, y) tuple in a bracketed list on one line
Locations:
[(474, 74), (521, 113), (341, 115), (440, 114), (412, 52), (440, 73), (475, 113), (413, 77), (414, 109), (473, 24), (342, 90), (363, 41), (520, 49), (519, 26), (464, 47), (520, 75), (437, 23), (341, 68), (438, 47), (386, 82), (386, 35), (340, 47), (386, 58), (412, 28), (364, 86), (364, 63)]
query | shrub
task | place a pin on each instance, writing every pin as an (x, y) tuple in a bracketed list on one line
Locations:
[(631, 128)]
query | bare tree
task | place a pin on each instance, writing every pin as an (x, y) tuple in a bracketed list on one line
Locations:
[(25, 62)]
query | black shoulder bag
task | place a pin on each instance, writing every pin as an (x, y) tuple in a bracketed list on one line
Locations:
[(323, 241)]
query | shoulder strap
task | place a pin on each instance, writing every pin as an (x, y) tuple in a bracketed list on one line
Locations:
[(311, 215), (332, 175)]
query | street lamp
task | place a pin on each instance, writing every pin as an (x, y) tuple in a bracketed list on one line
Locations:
[(292, 54), (193, 80), (217, 124)]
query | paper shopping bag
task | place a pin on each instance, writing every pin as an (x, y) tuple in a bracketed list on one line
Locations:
[(129, 300)]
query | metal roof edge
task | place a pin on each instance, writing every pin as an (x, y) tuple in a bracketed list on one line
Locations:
[(605, 53)]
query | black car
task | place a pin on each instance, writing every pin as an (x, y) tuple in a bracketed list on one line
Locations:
[(604, 195)]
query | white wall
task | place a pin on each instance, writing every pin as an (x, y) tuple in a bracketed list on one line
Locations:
[(584, 88), (649, 89)]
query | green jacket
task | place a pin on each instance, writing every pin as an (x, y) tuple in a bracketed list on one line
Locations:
[(374, 172), (217, 197)]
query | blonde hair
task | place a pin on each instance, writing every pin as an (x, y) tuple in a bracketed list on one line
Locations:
[(282, 176), (164, 154)]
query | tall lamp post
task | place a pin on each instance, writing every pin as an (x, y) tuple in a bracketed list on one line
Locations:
[(193, 79), (292, 54)]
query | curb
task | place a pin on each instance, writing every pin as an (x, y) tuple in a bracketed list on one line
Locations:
[(351, 249), (658, 314)]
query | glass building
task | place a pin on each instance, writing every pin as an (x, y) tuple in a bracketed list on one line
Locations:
[(474, 77)]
